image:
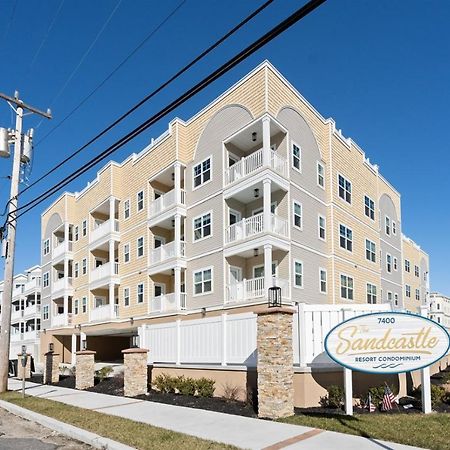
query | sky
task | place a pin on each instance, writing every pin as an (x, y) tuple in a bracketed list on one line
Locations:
[(380, 69)]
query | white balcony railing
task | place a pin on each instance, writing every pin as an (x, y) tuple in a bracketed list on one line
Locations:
[(166, 201), (167, 251), (167, 302), (254, 288), (251, 163), (104, 229), (16, 314), (30, 335), (31, 310), (104, 313), (15, 337), (18, 291), (61, 320), (254, 225), (62, 284), (105, 271), (61, 249), (32, 284)]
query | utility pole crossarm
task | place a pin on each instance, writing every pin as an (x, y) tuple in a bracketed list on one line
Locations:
[(17, 102)]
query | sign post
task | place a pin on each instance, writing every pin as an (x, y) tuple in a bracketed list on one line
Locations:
[(348, 379), (23, 360), (425, 377)]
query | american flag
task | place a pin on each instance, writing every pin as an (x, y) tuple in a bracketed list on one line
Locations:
[(388, 399), (370, 406)]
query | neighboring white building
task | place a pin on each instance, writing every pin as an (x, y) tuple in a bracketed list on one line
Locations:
[(25, 312), (440, 309)]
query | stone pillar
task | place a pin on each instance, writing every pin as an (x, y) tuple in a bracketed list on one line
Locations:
[(84, 372), (21, 369), (135, 376), (275, 365), (51, 368)]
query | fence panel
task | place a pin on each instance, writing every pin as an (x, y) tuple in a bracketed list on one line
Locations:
[(241, 339)]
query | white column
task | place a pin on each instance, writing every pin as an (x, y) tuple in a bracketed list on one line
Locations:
[(177, 286), (177, 235), (425, 377), (66, 309), (267, 267), (112, 212), (111, 298), (82, 338), (111, 255), (348, 379), (267, 200), (66, 235), (266, 141), (177, 182), (74, 348)]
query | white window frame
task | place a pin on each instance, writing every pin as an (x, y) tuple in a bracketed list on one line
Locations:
[(395, 263), (324, 228), (395, 299), (126, 209), (407, 266), (138, 293), (320, 176), (299, 157), (138, 247), (76, 306), (76, 269), (301, 285), (203, 270), (371, 252), (201, 216), (46, 247), (126, 295), (347, 240), (388, 263), (202, 183), (371, 210), (407, 291), (140, 208), (371, 294), (417, 294), (387, 225), (84, 267), (76, 233), (84, 303), (416, 271), (45, 312), (348, 277), (323, 271), (46, 279), (126, 251), (346, 191), (294, 215), (84, 228), (261, 266)]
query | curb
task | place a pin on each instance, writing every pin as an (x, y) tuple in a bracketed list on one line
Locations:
[(71, 431)]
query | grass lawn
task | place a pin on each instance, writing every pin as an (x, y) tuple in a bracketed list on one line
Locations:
[(139, 435), (427, 431)]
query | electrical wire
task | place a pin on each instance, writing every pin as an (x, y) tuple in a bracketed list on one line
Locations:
[(224, 68), (153, 93)]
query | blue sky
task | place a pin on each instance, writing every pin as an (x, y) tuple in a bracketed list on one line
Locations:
[(381, 69)]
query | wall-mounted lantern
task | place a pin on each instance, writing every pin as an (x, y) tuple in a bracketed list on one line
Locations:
[(274, 296)]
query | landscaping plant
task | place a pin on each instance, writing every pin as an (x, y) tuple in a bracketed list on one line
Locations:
[(103, 373), (334, 397)]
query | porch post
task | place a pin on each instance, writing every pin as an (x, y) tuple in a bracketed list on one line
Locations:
[(111, 298), (267, 200), (177, 286), (66, 309), (74, 348), (177, 235), (266, 141), (267, 267), (112, 211), (66, 235), (177, 182)]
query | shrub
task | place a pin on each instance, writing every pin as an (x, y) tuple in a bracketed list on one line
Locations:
[(231, 392), (437, 394), (205, 387), (377, 394), (334, 397), (185, 385), (104, 372), (446, 398), (165, 383)]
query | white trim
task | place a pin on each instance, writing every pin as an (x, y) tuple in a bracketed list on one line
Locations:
[(319, 163), (202, 270), (143, 201), (294, 284), (137, 247), (127, 200), (123, 296), (322, 269), (374, 208), (143, 293), (129, 252), (194, 165), (299, 169), (351, 189), (163, 289), (293, 215), (321, 216), (343, 274), (210, 212)]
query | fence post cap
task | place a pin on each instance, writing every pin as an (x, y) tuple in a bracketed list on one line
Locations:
[(85, 352), (135, 350), (263, 310)]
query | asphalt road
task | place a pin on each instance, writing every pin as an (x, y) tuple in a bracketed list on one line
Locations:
[(20, 434)]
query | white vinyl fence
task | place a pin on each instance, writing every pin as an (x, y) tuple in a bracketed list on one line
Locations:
[(230, 339)]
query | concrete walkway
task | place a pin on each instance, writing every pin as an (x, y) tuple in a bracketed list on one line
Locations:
[(239, 431)]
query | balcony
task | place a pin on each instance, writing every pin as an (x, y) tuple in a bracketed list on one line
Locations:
[(32, 285), (31, 310), (103, 312), (16, 314), (254, 162), (104, 273), (30, 335), (254, 226), (16, 337), (105, 231), (61, 320), (166, 201), (167, 251), (17, 292), (167, 303), (62, 250), (61, 285), (253, 289)]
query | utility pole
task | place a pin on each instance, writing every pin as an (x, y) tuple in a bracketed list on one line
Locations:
[(18, 106)]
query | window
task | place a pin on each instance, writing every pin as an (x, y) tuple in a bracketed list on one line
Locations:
[(296, 157), (45, 280), (126, 209), (126, 253), (84, 266), (389, 263), (322, 228), (395, 264), (140, 293), (84, 305), (370, 250), (76, 233), (140, 247), (202, 281), (389, 297), (371, 290), (369, 207), (394, 228), (202, 226), (387, 225), (126, 296), (346, 287), (407, 266), (202, 172), (416, 271), (323, 280), (46, 247), (417, 294), (84, 227), (75, 307), (298, 274), (345, 238), (320, 175), (345, 189), (396, 299), (140, 200), (408, 290), (298, 215), (76, 269), (45, 315)]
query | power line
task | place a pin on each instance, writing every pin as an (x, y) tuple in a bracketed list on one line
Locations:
[(116, 69), (153, 93), (226, 67)]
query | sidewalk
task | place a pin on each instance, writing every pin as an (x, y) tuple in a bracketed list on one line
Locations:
[(239, 431)]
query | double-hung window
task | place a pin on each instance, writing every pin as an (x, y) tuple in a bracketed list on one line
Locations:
[(323, 280), (45, 314), (387, 225), (408, 290), (46, 249), (84, 228), (126, 296), (75, 306), (296, 157), (346, 287), (389, 263), (369, 207), (320, 175), (417, 271), (76, 233), (298, 274), (395, 263), (345, 189), (202, 226), (345, 237), (371, 293), (126, 209), (84, 266), (126, 253), (76, 269), (140, 293), (322, 228), (298, 214), (407, 266), (84, 305), (202, 281), (140, 200), (370, 250), (45, 280), (417, 294), (140, 247), (202, 172)]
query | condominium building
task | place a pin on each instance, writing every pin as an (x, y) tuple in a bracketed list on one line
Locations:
[(440, 309), (25, 312), (256, 190)]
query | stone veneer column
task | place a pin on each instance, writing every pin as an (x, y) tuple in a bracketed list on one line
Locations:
[(21, 369), (135, 377), (84, 369), (51, 368), (275, 362)]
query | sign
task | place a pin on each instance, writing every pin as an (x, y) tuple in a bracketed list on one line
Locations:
[(387, 342)]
